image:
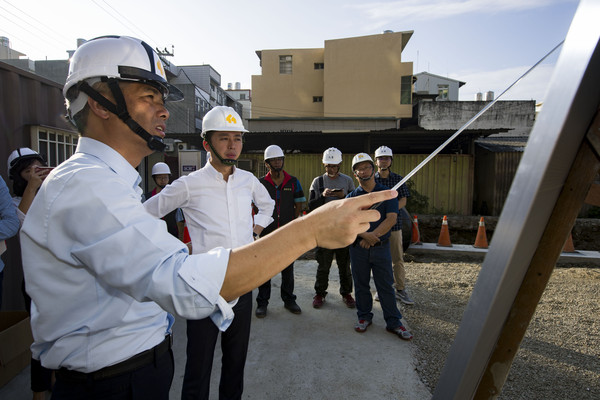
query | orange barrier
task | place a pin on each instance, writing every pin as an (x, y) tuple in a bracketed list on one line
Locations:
[(416, 236), (444, 239), (568, 247), (481, 239)]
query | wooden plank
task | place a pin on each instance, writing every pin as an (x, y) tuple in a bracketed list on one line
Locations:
[(569, 109), (577, 185)]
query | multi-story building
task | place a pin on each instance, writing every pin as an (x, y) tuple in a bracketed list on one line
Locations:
[(438, 87), (353, 83)]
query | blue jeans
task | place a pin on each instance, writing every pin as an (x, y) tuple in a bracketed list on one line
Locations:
[(377, 260)]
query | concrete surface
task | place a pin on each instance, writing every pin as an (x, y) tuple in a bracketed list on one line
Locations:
[(467, 251), (315, 355)]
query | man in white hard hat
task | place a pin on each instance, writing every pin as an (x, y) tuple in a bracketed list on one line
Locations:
[(287, 192), (103, 274), (161, 174), (370, 255), (383, 159), (331, 186), (217, 203)]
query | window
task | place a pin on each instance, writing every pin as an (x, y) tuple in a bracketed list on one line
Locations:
[(54, 145), (242, 96), (319, 66), (317, 99), (285, 64), (406, 89), (442, 92)]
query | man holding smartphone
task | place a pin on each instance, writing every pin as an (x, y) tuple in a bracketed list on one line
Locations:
[(331, 186)]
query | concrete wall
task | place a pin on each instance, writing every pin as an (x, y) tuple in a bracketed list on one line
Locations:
[(517, 115)]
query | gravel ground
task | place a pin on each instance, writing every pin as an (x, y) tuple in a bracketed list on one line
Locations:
[(559, 357)]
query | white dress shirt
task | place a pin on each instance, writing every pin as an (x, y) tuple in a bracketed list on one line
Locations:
[(99, 268), (217, 212)]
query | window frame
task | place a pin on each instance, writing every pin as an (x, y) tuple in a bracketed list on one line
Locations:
[(54, 144)]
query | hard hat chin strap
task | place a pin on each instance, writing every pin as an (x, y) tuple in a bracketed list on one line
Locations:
[(276, 169), (155, 143), (226, 161)]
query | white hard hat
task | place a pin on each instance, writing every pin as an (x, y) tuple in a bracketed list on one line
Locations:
[(332, 156), (160, 168), (273, 151), (20, 154), (121, 57), (383, 151), (224, 119), (361, 157)]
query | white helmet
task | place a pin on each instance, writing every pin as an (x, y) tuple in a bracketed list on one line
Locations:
[(332, 156), (20, 154), (160, 168), (224, 119), (361, 157), (120, 57), (384, 151), (273, 151)]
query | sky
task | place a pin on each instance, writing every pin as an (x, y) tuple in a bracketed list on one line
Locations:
[(487, 44)]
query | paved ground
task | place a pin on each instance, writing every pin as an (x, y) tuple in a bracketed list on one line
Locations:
[(315, 355)]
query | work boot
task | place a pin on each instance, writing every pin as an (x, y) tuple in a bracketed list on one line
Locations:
[(293, 307), (261, 311)]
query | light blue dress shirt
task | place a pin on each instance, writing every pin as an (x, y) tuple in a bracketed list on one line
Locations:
[(9, 222), (101, 271)]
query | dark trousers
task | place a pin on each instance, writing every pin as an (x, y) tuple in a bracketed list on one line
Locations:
[(287, 288), (201, 341), (377, 261), (151, 381), (324, 259)]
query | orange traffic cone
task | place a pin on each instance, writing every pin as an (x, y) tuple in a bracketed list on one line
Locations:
[(444, 239), (416, 236), (568, 247), (481, 239)]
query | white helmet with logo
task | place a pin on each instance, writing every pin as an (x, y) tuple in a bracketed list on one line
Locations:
[(332, 156), (160, 168), (121, 57), (111, 59), (273, 151), (361, 157), (224, 119), (383, 151)]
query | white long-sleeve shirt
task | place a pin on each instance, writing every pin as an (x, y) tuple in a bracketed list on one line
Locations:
[(217, 212), (99, 268)]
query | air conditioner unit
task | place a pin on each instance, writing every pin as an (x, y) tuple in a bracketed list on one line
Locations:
[(182, 146), (169, 145)]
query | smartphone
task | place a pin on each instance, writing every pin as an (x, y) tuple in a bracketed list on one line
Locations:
[(46, 169), (336, 190)]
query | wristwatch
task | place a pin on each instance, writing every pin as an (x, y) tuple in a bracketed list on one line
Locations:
[(256, 235)]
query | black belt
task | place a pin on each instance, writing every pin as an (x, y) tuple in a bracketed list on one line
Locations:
[(139, 360)]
